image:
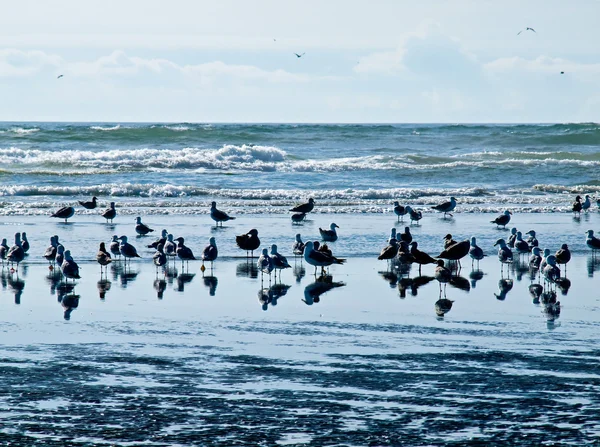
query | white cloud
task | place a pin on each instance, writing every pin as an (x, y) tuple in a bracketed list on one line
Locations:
[(19, 63)]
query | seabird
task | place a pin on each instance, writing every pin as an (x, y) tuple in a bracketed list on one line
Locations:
[(551, 271), (279, 261), (322, 248), (50, 252), (404, 256), (456, 251), (406, 236), (89, 205), (114, 246), (532, 240), (110, 213), (16, 253), (544, 257), (103, 257), (298, 247), (442, 274), (390, 251), (184, 253), (446, 207), (217, 215), (392, 234), (577, 205), (141, 228), (24, 242), (585, 206), (159, 258), (265, 263), (563, 256), (329, 235), (512, 238), (4, 250), (535, 260), (415, 216), (420, 257), (299, 55), (520, 245), (210, 252), (60, 255), (305, 207), (69, 267), (475, 251), (399, 210), (161, 240), (248, 241), (170, 247), (504, 253), (448, 241), (298, 217), (502, 219), (526, 29), (592, 241), (64, 213), (59, 76), (127, 250), (319, 259)]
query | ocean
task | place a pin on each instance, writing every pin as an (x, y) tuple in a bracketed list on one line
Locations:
[(358, 357), (180, 168)]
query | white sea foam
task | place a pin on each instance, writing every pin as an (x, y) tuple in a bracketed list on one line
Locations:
[(23, 131), (117, 127)]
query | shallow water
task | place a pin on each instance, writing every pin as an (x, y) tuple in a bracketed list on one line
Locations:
[(218, 360)]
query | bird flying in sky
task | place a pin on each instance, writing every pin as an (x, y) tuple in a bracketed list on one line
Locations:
[(59, 76), (299, 55), (526, 29)]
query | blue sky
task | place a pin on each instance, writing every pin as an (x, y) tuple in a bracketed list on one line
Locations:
[(233, 61)]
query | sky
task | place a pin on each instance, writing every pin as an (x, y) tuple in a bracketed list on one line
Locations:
[(364, 61)]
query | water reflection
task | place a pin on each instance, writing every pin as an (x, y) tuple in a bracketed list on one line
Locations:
[(390, 277), (474, 276), (69, 303), (413, 284), (323, 284), (504, 286), (54, 278), (160, 285), (103, 286), (247, 268), (299, 272), (460, 282), (268, 296), (211, 282), (183, 279), (443, 306), (16, 286)]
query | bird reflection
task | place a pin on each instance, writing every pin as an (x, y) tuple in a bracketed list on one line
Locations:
[(593, 263), (519, 268), (63, 290), (16, 285), (536, 290), (247, 268), (54, 277), (413, 284), (183, 279), (443, 306), (103, 286), (69, 303), (211, 282), (323, 284), (564, 284), (390, 277), (160, 285), (460, 282), (128, 276), (269, 295), (299, 272), (474, 276), (504, 286)]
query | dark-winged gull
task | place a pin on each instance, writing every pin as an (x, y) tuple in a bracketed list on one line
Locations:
[(218, 215), (404, 256), (406, 236), (446, 207), (322, 248), (280, 262), (298, 247), (159, 258), (505, 255), (184, 253), (420, 257), (521, 246), (110, 213), (415, 216), (127, 250), (69, 267), (90, 204), (577, 205), (532, 239), (50, 252), (305, 207), (299, 55), (319, 259), (442, 274), (298, 217), (248, 241), (16, 253), (399, 211), (448, 241), (265, 264), (563, 256), (475, 252), (141, 228), (456, 252), (24, 242), (103, 257), (4, 250), (329, 235), (512, 238), (114, 246), (60, 255), (64, 213), (535, 259), (390, 251), (592, 241), (210, 252), (544, 257), (503, 219), (161, 240), (551, 271)]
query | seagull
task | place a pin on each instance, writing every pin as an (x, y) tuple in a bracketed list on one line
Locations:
[(551, 271), (59, 76), (544, 257), (420, 257), (318, 258), (442, 274), (265, 264), (448, 241), (415, 216), (159, 258), (406, 236), (210, 252), (504, 253), (170, 247), (140, 228), (563, 256), (279, 261), (4, 250), (305, 207), (512, 238), (399, 210), (520, 245), (161, 240), (404, 256), (24, 242), (592, 241), (114, 246), (329, 235), (577, 205), (298, 217), (69, 267), (526, 29), (127, 250), (217, 215), (298, 247), (475, 252), (64, 213), (184, 253), (103, 257), (456, 251), (60, 255), (562, 72), (532, 240), (248, 241), (535, 260), (50, 252), (446, 207), (502, 219), (16, 253), (585, 206), (110, 213), (392, 234), (89, 205), (390, 251), (299, 55)]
